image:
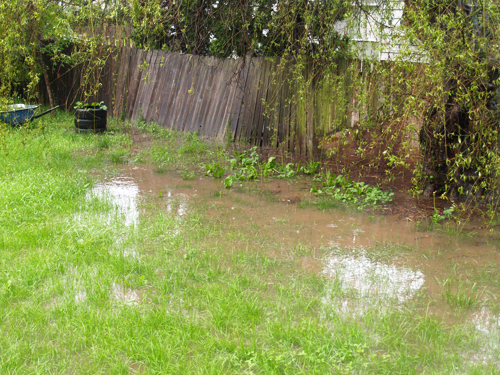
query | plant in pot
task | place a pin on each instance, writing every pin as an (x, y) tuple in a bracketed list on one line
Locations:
[(91, 118), (93, 52)]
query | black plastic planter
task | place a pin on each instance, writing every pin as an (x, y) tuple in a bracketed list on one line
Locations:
[(91, 119)]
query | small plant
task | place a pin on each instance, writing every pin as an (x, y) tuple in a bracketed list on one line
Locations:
[(342, 188), (268, 167), (187, 175), (247, 158), (192, 144), (99, 105), (436, 217), (214, 169), (288, 171), (229, 180), (311, 167), (118, 156), (460, 297)]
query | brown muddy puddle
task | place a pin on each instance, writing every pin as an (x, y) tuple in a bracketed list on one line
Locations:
[(376, 261)]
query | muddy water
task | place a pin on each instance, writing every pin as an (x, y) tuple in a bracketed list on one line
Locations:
[(379, 260)]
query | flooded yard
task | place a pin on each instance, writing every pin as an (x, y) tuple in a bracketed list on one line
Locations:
[(372, 264), (147, 265)]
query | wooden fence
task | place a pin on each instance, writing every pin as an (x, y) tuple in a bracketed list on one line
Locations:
[(255, 100)]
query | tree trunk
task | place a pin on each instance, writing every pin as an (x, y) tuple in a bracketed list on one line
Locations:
[(45, 74)]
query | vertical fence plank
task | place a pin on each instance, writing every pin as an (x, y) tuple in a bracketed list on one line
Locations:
[(120, 92), (241, 83), (134, 79)]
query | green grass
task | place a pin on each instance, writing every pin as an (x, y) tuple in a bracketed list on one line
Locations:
[(201, 296)]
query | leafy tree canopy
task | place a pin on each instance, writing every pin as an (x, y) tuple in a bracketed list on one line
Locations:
[(234, 28)]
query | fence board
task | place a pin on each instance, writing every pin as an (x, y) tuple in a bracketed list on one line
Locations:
[(184, 92), (121, 82), (151, 97), (133, 81), (167, 87), (240, 82), (208, 96), (221, 117)]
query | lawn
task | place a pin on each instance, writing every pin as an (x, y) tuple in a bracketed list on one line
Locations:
[(207, 280)]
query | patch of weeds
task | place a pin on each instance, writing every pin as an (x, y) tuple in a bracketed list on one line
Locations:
[(246, 158), (162, 168), (341, 188), (488, 274), (321, 203), (288, 171), (214, 169), (187, 175), (118, 155), (192, 143), (311, 167), (301, 249), (103, 142), (245, 166), (161, 155), (460, 295), (140, 158), (156, 130), (437, 217)]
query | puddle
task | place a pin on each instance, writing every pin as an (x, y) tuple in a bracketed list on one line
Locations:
[(123, 194), (291, 223), (485, 322), (128, 253), (368, 284), (397, 261), (178, 208), (80, 297), (487, 335), (124, 295)]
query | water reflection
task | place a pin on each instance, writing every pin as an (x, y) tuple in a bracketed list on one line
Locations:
[(125, 295), (487, 327), (123, 193), (177, 207), (365, 284)]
